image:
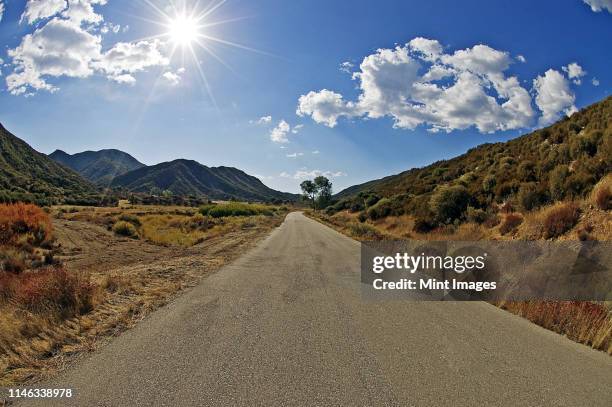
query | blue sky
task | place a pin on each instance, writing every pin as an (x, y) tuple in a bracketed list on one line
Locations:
[(92, 74)]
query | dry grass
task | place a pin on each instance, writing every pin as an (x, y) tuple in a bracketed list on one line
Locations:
[(50, 314), (581, 321)]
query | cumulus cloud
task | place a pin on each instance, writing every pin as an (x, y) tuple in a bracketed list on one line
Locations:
[(59, 48), (324, 107), (422, 84), (69, 44), (1, 10), (521, 59), (40, 9), (306, 174), (599, 5), (595, 82), (279, 133), (574, 72), (296, 129), (553, 96)]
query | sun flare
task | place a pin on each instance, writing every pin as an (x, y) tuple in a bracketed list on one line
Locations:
[(183, 30)]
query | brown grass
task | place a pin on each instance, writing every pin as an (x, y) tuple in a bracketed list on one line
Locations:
[(581, 321), (511, 223), (560, 219)]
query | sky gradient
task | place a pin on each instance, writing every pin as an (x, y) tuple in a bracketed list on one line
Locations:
[(101, 74)]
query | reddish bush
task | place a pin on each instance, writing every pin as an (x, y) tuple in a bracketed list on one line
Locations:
[(560, 219), (50, 290), (511, 222), (24, 223)]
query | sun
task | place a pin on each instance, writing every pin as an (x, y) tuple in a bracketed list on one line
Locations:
[(183, 30)]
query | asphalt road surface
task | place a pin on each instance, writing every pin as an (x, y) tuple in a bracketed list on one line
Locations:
[(286, 325)]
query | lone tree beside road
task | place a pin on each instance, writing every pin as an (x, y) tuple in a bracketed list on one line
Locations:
[(318, 192)]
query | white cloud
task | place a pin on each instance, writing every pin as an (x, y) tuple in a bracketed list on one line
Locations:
[(316, 152), (130, 57), (305, 174), (599, 5), (263, 120), (400, 83), (595, 82), (59, 48), (124, 79), (279, 133), (521, 59), (325, 107), (430, 50), (70, 45), (295, 155), (296, 129), (574, 72), (1, 10), (172, 78), (41, 9), (82, 11), (346, 67), (553, 96)]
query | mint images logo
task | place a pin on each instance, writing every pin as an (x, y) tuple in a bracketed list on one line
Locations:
[(489, 271)]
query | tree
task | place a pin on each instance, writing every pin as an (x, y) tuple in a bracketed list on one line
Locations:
[(318, 192), (309, 191), (449, 202), (324, 191)]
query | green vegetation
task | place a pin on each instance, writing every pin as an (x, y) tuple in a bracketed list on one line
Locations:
[(562, 162), (236, 209)]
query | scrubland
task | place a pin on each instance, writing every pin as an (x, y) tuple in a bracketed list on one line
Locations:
[(72, 276)]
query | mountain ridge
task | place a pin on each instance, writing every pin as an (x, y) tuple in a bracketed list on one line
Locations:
[(188, 177), (99, 167)]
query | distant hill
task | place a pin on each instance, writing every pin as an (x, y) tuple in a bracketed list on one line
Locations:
[(187, 177), (562, 161), (27, 175), (100, 167)]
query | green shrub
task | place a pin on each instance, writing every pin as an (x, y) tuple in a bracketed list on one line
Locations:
[(236, 209), (124, 228), (365, 231), (449, 203), (476, 215), (530, 196)]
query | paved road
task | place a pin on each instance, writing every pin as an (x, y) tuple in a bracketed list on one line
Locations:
[(285, 325)]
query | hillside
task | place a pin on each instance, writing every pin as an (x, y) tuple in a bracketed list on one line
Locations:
[(187, 177), (100, 167), (560, 162), (27, 175)]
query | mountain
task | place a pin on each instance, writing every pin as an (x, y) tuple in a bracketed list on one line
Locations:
[(100, 167), (187, 177), (26, 174), (562, 161)]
